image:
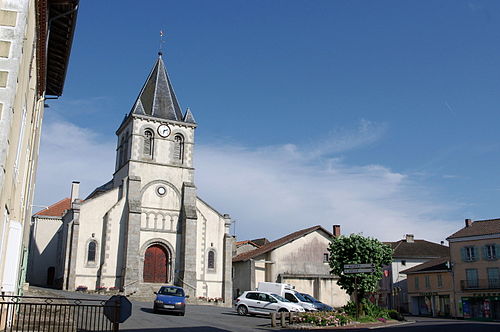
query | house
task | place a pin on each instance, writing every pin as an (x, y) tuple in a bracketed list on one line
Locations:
[(35, 44), (407, 253), (430, 288), (44, 249), (146, 226), (299, 259), (475, 259)]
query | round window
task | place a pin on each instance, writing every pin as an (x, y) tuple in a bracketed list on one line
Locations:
[(161, 190)]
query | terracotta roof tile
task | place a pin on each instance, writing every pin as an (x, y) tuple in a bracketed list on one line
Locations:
[(479, 227), (56, 209), (418, 249), (277, 243), (437, 264)]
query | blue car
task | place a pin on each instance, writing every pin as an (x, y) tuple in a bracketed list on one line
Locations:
[(170, 299), (320, 306)]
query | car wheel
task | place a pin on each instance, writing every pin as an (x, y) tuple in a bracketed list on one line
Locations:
[(282, 310), (242, 310)]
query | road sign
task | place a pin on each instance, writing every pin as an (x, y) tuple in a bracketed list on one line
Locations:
[(117, 309), (359, 266), (364, 270)]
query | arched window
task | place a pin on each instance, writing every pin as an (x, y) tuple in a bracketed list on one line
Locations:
[(125, 149), (211, 260), (91, 252), (120, 153), (179, 148), (148, 143)]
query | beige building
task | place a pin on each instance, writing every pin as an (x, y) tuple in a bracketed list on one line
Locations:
[(146, 226), (430, 288), (407, 253), (475, 258), (35, 43), (299, 259)]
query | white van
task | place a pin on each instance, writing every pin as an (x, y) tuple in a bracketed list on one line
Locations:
[(288, 292)]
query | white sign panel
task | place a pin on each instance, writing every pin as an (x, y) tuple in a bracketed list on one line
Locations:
[(359, 266), (349, 271)]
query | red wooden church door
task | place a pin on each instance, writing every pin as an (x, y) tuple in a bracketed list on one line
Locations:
[(156, 264)]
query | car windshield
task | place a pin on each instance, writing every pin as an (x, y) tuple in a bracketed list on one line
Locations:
[(309, 298), (279, 298), (300, 297), (173, 291)]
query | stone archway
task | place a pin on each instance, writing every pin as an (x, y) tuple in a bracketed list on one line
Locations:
[(157, 261)]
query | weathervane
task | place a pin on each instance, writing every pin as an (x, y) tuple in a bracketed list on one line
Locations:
[(160, 52)]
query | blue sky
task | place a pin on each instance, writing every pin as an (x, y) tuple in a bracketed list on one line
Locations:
[(380, 116)]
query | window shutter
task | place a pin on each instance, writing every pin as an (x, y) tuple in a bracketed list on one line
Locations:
[(497, 251), (485, 253), (12, 255), (475, 253), (464, 254)]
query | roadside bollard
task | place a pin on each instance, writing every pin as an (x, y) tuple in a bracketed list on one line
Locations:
[(283, 318), (273, 319), (290, 318)]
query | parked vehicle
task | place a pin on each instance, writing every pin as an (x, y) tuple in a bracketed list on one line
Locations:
[(287, 291), (255, 302), (171, 299), (320, 306)]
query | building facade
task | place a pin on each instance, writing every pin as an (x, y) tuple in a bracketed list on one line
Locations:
[(147, 226), (299, 259), (475, 258), (407, 253), (35, 43), (430, 288)]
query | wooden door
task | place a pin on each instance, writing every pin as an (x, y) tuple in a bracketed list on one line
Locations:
[(156, 265)]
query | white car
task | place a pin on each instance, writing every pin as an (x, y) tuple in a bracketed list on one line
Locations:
[(255, 302)]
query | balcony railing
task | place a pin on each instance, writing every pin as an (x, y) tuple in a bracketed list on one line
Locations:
[(480, 284)]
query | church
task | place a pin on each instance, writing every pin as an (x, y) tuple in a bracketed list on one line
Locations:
[(146, 226)]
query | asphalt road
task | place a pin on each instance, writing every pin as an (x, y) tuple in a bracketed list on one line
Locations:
[(201, 318)]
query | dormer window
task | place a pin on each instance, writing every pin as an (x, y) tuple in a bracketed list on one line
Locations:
[(148, 143), (179, 148)]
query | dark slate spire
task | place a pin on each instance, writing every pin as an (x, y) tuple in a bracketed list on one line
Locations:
[(157, 97), (188, 117)]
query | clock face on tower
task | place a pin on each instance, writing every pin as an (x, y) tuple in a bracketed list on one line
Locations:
[(163, 130)]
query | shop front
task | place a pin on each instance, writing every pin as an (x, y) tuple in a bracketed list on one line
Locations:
[(482, 307)]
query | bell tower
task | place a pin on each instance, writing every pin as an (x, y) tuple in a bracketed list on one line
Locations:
[(154, 165)]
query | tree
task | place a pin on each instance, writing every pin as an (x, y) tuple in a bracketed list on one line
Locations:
[(357, 249)]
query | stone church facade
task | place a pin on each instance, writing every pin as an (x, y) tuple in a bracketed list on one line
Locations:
[(147, 226)]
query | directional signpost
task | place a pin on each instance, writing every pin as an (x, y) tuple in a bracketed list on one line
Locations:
[(359, 268), (356, 269)]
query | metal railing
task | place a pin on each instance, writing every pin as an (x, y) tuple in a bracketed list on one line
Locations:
[(475, 284), (31, 313)]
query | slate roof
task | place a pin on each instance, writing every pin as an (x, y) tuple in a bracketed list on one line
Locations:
[(101, 190), (437, 264), (418, 249), (157, 97), (480, 227), (277, 243), (56, 209)]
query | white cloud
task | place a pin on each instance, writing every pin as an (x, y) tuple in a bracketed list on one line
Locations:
[(71, 153), (270, 191)]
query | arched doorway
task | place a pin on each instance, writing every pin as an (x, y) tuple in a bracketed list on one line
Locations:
[(156, 264)]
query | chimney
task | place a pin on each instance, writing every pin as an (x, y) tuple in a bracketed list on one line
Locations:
[(336, 230), (468, 222), (75, 188), (409, 238), (442, 243)]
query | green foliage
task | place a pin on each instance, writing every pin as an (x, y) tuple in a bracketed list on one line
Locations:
[(393, 314), (357, 249), (372, 312)]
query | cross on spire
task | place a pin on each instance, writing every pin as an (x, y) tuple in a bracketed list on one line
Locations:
[(160, 52)]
